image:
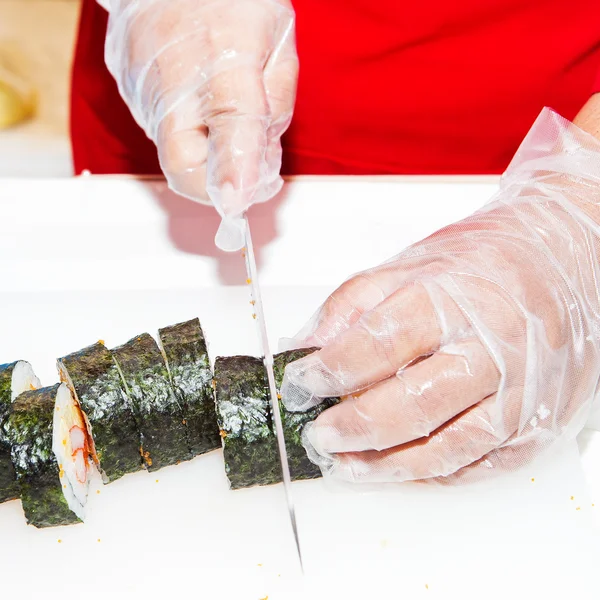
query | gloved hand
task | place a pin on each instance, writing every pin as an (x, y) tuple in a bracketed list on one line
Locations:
[(474, 349), (213, 84)]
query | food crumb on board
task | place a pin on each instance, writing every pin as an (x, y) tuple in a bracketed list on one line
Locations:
[(156, 481), (265, 598), (254, 315), (533, 479), (222, 433), (248, 281), (101, 342), (59, 541), (426, 586), (98, 540), (578, 508), (572, 497), (97, 491), (184, 422)]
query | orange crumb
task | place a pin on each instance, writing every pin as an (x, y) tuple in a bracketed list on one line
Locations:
[(578, 508), (57, 408), (59, 541), (101, 342), (426, 586), (156, 481), (64, 442), (533, 479), (254, 315), (98, 540), (64, 487), (184, 422), (248, 281), (97, 491), (32, 387), (278, 396), (572, 497), (253, 302), (222, 433), (259, 565)]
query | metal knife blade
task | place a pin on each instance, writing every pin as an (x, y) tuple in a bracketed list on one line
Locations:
[(268, 361)]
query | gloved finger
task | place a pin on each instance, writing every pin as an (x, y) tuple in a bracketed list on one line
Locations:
[(411, 405), (399, 330), (458, 443), (182, 143), (364, 291), (505, 459)]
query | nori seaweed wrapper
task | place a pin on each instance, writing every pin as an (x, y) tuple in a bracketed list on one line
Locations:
[(244, 411), (189, 367), (30, 428), (157, 412), (9, 489), (102, 397), (293, 422), (246, 420)]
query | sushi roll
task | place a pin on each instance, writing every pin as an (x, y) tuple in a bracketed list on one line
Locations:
[(94, 377), (245, 418), (189, 368), (15, 378), (30, 429), (158, 414), (249, 438), (72, 448)]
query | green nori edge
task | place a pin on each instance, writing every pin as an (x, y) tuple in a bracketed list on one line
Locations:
[(102, 397), (30, 427), (245, 417), (159, 416), (189, 368), (9, 490)]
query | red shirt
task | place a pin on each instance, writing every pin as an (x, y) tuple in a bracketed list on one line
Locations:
[(389, 86)]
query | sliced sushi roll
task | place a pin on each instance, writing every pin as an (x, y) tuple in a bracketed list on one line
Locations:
[(247, 428), (244, 411), (15, 378), (189, 367), (94, 377), (159, 415), (30, 429), (72, 448)]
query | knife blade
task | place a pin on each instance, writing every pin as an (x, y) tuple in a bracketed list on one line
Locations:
[(268, 361)]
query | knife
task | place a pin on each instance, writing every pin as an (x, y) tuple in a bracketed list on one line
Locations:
[(268, 361)]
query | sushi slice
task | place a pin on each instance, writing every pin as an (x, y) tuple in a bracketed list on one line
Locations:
[(293, 422), (94, 377), (157, 412), (30, 429), (243, 407), (249, 439), (189, 367), (15, 378), (72, 448)]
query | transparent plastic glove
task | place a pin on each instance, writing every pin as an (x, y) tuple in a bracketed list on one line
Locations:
[(475, 349), (213, 84)]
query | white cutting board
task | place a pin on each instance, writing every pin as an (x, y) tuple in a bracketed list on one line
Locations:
[(83, 260)]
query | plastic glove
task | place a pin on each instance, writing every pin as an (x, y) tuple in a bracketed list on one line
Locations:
[(474, 349), (213, 84)]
